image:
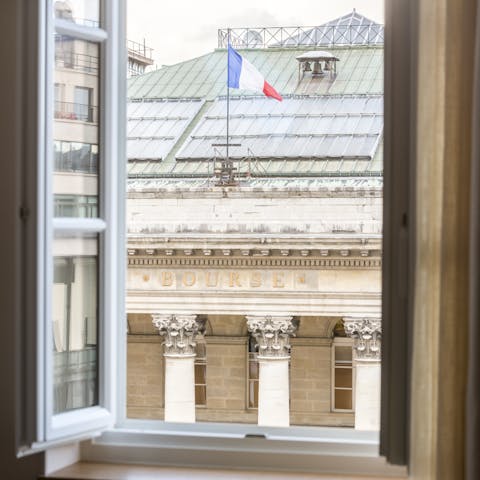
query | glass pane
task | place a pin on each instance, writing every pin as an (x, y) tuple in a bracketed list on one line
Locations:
[(253, 370), (81, 12), (201, 350), (74, 321), (76, 130), (343, 377), (76, 206), (343, 354), (200, 373), (343, 399), (200, 395), (253, 395)]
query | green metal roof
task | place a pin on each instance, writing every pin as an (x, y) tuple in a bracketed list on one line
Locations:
[(359, 74), (359, 71)]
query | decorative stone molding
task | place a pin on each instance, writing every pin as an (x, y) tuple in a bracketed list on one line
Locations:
[(272, 334), (262, 261), (179, 332), (367, 335)]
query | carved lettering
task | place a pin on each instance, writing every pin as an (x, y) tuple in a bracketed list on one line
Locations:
[(277, 280), (252, 279), (235, 279), (167, 279), (256, 280), (189, 279), (209, 281)]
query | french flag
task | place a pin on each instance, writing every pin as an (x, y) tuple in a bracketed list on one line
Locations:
[(242, 74)]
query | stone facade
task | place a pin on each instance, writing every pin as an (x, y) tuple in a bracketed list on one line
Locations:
[(229, 273)]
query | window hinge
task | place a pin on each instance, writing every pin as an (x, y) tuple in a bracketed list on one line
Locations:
[(24, 213)]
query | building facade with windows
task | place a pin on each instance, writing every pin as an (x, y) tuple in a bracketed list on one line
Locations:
[(76, 138), (76, 166), (254, 281)]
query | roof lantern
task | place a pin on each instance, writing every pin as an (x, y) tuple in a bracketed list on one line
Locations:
[(311, 63)]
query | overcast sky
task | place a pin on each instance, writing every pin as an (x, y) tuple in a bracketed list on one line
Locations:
[(181, 29)]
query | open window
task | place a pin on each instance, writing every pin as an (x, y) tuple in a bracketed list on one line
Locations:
[(76, 219), (82, 241)]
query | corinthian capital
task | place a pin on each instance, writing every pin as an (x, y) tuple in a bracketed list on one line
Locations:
[(272, 334), (179, 332), (367, 335)]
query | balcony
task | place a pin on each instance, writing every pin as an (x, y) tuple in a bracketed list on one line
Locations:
[(77, 61), (76, 111)]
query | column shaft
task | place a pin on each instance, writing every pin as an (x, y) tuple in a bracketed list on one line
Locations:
[(366, 333), (274, 393), (367, 395), (180, 389), (272, 334), (179, 332)]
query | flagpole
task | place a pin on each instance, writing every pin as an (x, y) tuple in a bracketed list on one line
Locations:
[(228, 91)]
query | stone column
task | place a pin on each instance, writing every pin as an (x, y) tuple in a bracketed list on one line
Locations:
[(367, 333), (272, 334), (179, 332)]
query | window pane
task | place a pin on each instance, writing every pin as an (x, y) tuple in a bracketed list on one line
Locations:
[(343, 399), (76, 130), (343, 354), (74, 321), (253, 369), (82, 12), (76, 206), (253, 395), (343, 377), (200, 395), (200, 374)]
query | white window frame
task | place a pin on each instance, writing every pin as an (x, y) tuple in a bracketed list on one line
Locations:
[(42, 427), (342, 342), (298, 449)]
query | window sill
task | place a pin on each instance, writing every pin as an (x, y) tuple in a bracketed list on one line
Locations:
[(97, 471), (317, 450)]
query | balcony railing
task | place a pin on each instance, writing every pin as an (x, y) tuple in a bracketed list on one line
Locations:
[(76, 111), (140, 49), (326, 35), (77, 61)]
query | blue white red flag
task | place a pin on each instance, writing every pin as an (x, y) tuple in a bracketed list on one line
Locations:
[(242, 74)]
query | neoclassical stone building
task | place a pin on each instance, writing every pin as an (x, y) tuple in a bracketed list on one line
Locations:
[(254, 282)]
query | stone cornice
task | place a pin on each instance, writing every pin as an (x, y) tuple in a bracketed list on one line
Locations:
[(336, 191), (324, 262)]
